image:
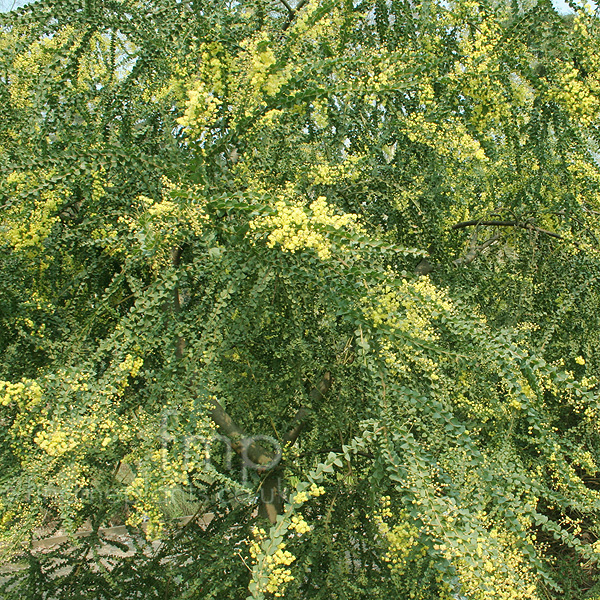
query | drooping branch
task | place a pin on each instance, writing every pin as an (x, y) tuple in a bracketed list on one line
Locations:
[(362, 453), (253, 454), (265, 461), (175, 261), (271, 500)]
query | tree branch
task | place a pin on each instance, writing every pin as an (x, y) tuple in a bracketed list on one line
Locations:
[(369, 455), (251, 452), (175, 261), (293, 11), (285, 3), (475, 250), (317, 394), (271, 500), (297, 425), (529, 226)]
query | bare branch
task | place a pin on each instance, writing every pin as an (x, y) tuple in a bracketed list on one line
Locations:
[(285, 3), (424, 267), (297, 425), (529, 226), (250, 451), (475, 250), (293, 11), (271, 501), (175, 261), (317, 394)]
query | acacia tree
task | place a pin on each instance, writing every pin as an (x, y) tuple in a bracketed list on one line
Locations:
[(352, 242)]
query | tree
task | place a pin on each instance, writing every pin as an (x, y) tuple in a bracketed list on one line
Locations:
[(216, 220)]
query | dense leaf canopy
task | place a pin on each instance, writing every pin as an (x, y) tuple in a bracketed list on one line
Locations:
[(324, 270)]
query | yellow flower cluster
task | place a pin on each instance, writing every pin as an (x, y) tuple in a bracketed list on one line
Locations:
[(26, 393), (278, 577), (98, 190), (522, 94), (300, 498), (386, 309), (28, 66), (449, 138), (573, 93), (316, 490), (131, 365), (99, 427), (201, 108), (324, 173), (401, 538), (299, 525), (205, 96), (408, 307), (30, 232), (595, 547), (214, 67), (276, 565), (94, 427), (475, 70), (311, 27), (165, 224), (56, 443), (490, 564), (320, 114), (263, 77), (295, 228), (506, 576)]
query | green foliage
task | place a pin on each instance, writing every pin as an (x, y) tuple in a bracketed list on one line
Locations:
[(212, 216)]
